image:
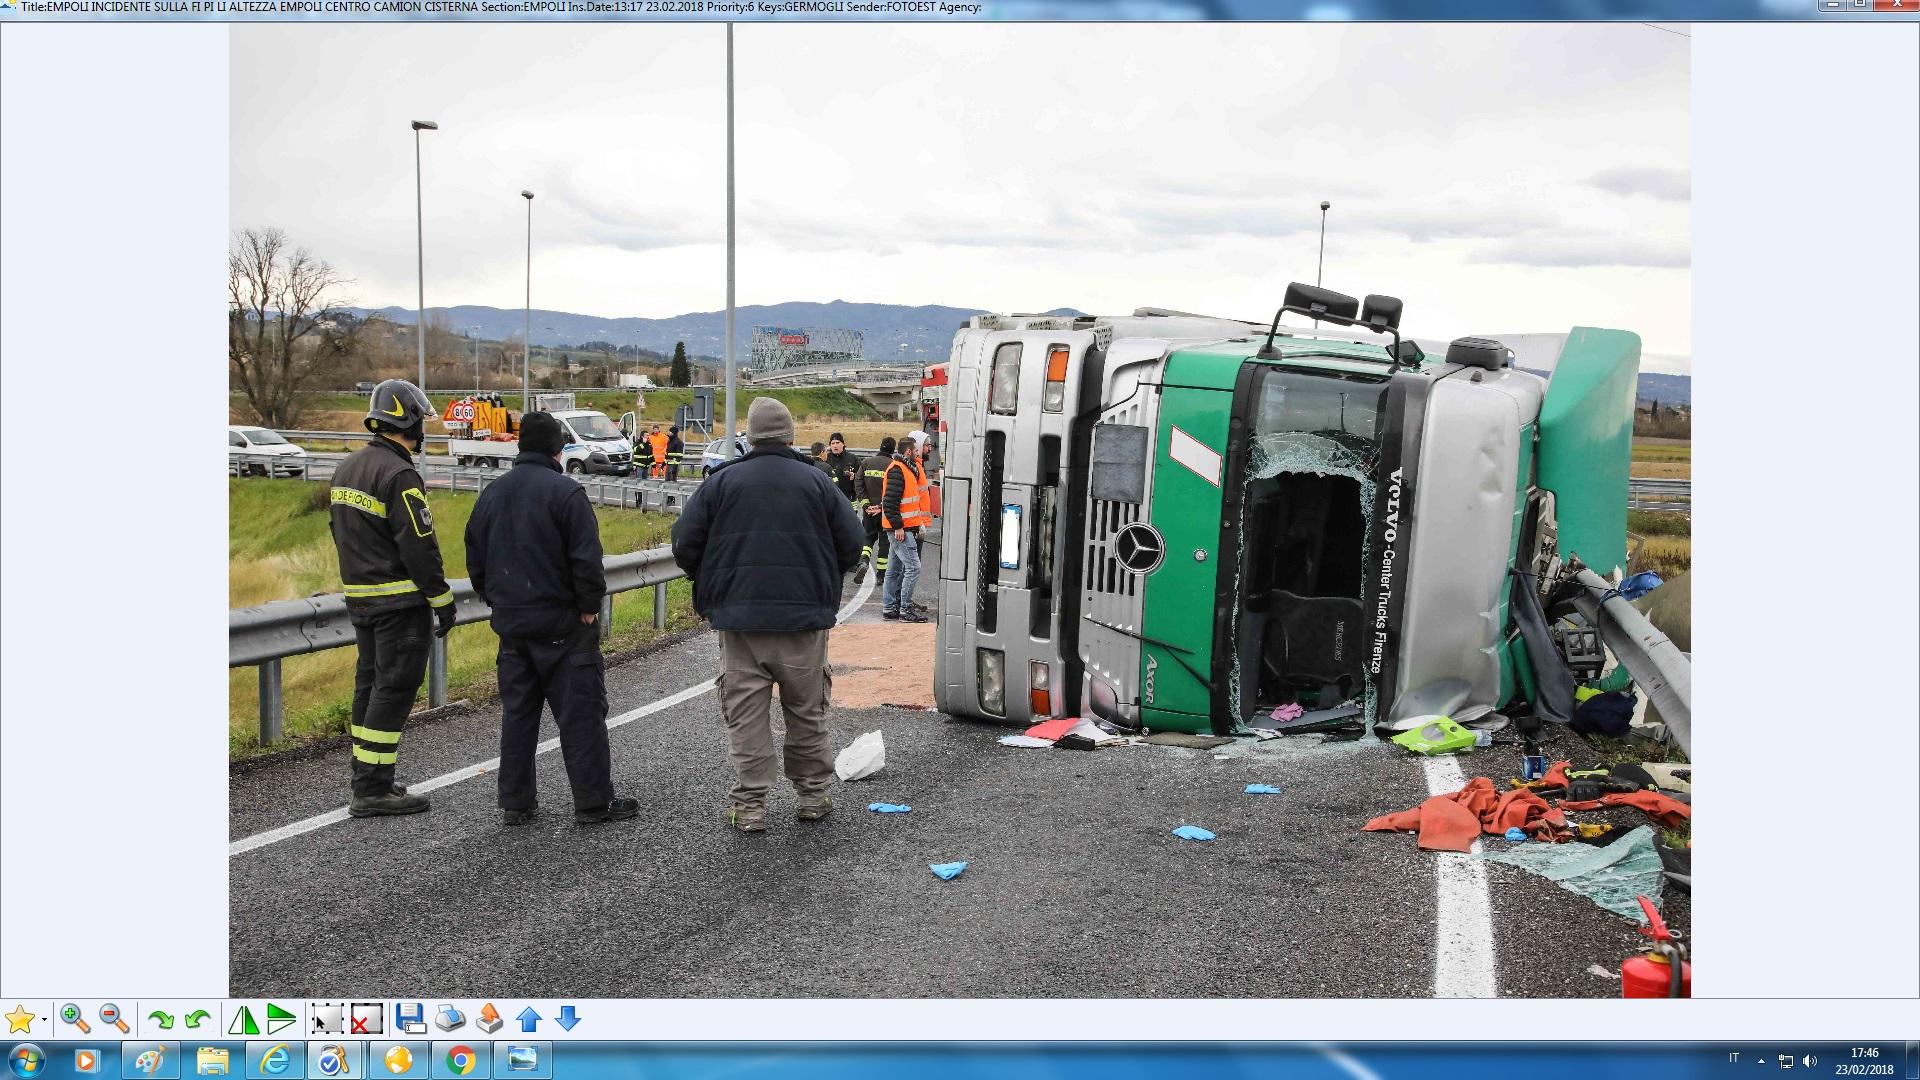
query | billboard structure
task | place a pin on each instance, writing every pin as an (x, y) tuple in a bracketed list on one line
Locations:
[(777, 347)]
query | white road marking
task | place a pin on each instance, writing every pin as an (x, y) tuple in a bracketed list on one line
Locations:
[(334, 817), (1463, 910), (859, 597)]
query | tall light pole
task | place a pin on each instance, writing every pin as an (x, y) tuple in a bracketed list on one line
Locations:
[(526, 339), (472, 332), (1318, 270), (729, 354), (420, 238)]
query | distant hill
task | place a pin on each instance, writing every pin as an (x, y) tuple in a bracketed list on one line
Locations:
[(1666, 389), (917, 335)]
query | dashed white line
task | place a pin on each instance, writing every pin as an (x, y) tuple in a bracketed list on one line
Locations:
[(333, 817), (1463, 910)]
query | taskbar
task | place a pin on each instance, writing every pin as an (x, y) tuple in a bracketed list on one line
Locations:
[(507, 1058)]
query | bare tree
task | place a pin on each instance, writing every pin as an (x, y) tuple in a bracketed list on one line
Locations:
[(285, 326)]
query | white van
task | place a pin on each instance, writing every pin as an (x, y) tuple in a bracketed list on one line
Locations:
[(249, 448)]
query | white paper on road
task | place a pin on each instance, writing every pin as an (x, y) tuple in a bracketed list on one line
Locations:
[(862, 758)]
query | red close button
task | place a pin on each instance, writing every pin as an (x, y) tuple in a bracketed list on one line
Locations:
[(1910, 7)]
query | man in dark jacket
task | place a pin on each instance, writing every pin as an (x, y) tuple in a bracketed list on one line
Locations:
[(843, 467), (396, 589), (873, 485), (766, 539), (533, 550), (676, 453)]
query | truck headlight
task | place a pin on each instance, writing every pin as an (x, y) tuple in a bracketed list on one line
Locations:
[(1004, 393), (993, 681)]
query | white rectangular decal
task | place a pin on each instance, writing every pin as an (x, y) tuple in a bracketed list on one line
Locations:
[(1195, 455)]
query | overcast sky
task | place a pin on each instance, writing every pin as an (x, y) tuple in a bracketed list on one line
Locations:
[(1498, 179)]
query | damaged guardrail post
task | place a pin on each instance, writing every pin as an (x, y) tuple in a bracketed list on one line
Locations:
[(1655, 662), (273, 713), (437, 674)]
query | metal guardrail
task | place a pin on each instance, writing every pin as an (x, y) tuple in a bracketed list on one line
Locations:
[(265, 635), (1655, 662), (1674, 495), (341, 436), (628, 493)]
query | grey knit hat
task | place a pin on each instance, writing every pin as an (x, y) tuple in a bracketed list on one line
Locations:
[(769, 421)]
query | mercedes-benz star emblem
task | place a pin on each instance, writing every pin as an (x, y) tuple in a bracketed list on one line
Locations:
[(1139, 548)]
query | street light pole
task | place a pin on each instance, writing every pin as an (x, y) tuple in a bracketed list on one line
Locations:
[(476, 357), (1319, 270), (420, 239), (729, 353), (526, 339)]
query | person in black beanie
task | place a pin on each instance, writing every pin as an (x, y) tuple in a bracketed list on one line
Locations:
[(533, 551)]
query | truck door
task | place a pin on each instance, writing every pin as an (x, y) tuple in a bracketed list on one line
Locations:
[(1177, 626)]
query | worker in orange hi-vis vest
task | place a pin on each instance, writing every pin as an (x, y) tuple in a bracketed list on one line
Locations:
[(657, 442)]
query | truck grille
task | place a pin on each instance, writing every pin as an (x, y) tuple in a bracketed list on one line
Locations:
[(619, 459), (986, 597), (1104, 572)]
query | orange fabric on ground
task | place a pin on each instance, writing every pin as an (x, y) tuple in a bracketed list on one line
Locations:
[(1453, 821), (1667, 813)]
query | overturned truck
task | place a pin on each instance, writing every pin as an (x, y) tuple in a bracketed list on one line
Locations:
[(1175, 521)]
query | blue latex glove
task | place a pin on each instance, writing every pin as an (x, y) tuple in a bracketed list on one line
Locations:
[(888, 808), (1516, 836), (1192, 832), (946, 871), (1262, 789)]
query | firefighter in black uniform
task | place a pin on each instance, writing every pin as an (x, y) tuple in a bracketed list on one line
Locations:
[(873, 484), (396, 591)]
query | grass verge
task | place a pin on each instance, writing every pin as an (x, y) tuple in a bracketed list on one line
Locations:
[(279, 547)]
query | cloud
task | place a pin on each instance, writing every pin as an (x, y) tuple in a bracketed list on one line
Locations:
[(1590, 251), (1672, 185)]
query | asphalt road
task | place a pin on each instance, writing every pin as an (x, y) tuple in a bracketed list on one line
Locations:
[(1075, 888)]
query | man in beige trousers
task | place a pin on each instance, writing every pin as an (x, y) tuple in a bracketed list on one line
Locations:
[(766, 540)]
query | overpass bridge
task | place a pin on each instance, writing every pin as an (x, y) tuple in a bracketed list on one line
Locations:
[(890, 389)]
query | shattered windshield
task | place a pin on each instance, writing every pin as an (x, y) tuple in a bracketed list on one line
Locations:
[(1346, 412), (1315, 426)]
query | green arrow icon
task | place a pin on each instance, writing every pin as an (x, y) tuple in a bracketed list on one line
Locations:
[(279, 1018), (243, 1023), (197, 1017), (164, 1019)]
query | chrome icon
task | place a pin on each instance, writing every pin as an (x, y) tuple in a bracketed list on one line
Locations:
[(461, 1060)]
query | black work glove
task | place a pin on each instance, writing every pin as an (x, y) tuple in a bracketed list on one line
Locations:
[(444, 615)]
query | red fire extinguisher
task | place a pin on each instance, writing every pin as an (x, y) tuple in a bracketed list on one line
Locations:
[(1662, 971)]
